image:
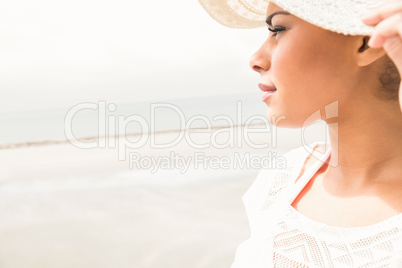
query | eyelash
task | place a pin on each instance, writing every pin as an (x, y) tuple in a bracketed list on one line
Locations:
[(276, 30)]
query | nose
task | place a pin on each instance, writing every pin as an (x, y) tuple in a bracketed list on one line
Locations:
[(260, 60)]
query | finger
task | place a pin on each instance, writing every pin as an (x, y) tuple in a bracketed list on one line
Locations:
[(393, 47), (387, 28), (383, 12)]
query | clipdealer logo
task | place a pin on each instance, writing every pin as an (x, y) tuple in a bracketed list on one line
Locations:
[(112, 129)]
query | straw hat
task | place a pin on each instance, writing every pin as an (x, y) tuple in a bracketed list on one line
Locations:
[(341, 16)]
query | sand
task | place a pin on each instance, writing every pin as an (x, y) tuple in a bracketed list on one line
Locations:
[(62, 206)]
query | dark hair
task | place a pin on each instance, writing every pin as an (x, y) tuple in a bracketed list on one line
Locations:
[(390, 81)]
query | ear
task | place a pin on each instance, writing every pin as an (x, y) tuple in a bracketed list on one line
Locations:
[(367, 55)]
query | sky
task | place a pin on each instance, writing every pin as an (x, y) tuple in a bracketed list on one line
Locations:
[(56, 54)]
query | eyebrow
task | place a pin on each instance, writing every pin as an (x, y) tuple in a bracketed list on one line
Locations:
[(269, 18)]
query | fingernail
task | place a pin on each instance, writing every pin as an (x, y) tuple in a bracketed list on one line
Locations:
[(376, 41), (370, 19)]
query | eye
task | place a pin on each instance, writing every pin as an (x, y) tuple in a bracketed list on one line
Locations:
[(276, 30)]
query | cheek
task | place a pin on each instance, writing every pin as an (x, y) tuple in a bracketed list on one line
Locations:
[(295, 69), (305, 68)]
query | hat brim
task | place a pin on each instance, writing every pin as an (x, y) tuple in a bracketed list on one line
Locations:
[(222, 12), (340, 16)]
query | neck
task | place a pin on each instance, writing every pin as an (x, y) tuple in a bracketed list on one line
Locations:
[(368, 146)]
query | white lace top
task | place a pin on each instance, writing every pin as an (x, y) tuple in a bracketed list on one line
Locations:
[(282, 237)]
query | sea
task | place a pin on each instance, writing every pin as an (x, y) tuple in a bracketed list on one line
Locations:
[(104, 119), (90, 119)]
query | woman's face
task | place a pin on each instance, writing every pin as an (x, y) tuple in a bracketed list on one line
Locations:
[(309, 67)]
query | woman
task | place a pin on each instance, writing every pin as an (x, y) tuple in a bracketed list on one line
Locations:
[(321, 60)]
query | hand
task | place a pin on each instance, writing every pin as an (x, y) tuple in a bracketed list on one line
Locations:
[(387, 20)]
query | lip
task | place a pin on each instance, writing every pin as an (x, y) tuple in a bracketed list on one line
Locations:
[(266, 88), (267, 91)]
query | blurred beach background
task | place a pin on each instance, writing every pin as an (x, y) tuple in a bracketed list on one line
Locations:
[(129, 132)]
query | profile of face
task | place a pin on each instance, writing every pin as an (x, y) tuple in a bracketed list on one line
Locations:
[(308, 66)]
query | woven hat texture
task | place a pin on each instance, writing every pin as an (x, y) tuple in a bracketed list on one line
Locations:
[(341, 16)]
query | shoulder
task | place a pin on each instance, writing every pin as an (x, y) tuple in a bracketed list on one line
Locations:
[(271, 182)]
